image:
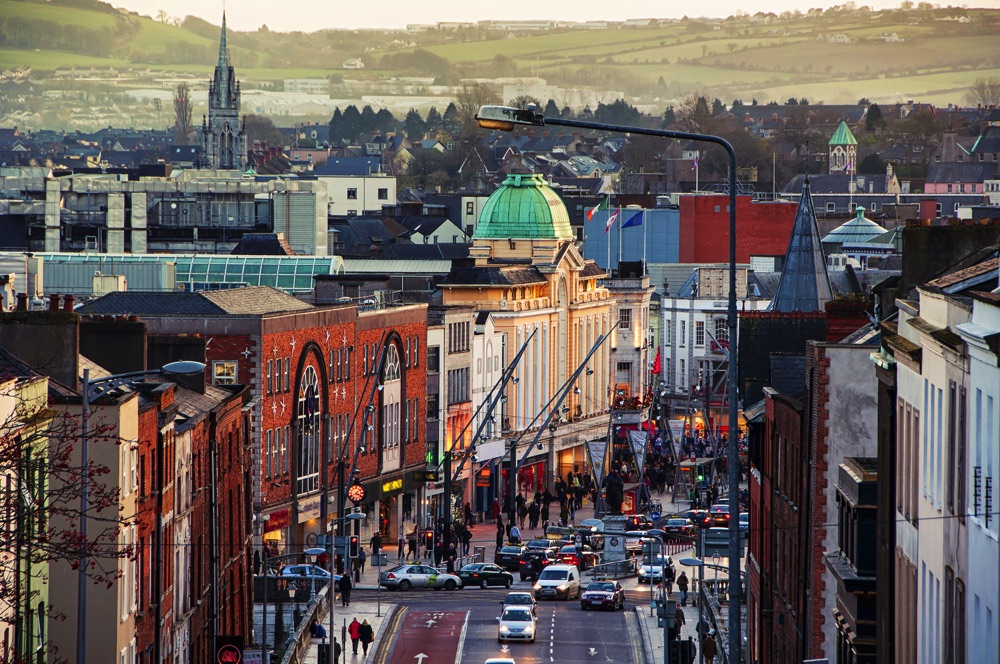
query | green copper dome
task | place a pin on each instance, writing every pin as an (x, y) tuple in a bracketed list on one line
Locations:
[(524, 207), (843, 135)]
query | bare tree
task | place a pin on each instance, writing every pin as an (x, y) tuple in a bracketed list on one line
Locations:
[(40, 474), (523, 101), (985, 90), (183, 107), (469, 99)]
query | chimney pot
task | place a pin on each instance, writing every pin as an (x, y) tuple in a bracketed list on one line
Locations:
[(68, 303), (54, 302), (22, 301)]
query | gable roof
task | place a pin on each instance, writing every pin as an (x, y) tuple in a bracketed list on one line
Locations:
[(843, 135), (965, 171), (252, 300)]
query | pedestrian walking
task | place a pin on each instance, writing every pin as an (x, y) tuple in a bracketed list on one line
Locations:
[(345, 589), (256, 563), (376, 543), (337, 650), (466, 541), (682, 585), (362, 556), (708, 647), (500, 533), (354, 631), (470, 519), (400, 547), (515, 534), (367, 634)]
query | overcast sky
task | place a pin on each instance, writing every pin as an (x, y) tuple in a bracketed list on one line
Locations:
[(311, 15)]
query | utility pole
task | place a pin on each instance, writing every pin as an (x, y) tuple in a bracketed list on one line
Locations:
[(446, 541)]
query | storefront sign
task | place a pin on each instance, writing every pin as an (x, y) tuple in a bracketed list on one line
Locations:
[(309, 509), (277, 520), (483, 477), (392, 486)]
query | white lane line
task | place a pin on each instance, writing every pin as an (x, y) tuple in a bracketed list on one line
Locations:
[(461, 639)]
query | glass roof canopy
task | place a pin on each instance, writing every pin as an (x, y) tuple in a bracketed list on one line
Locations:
[(211, 272)]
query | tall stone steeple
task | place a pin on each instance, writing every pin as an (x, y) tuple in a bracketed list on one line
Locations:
[(223, 138), (804, 284)]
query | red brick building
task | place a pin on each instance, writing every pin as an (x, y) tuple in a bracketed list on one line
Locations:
[(311, 372)]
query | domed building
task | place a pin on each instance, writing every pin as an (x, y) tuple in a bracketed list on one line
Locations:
[(525, 269), (858, 229)]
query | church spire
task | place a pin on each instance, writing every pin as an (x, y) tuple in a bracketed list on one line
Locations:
[(223, 46), (804, 283)]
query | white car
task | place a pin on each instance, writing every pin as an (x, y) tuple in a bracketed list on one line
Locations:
[(500, 660), (405, 577), (558, 582), (517, 623), (651, 569)]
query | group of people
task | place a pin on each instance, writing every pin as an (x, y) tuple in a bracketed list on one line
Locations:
[(360, 632)]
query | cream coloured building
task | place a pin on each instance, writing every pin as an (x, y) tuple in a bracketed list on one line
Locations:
[(526, 270)]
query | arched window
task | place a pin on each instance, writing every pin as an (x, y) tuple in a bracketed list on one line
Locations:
[(309, 415), (392, 424)]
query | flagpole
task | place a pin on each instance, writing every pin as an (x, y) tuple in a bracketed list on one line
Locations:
[(644, 270), (619, 244)]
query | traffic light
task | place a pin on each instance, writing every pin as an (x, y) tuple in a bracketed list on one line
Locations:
[(353, 546), (429, 540)]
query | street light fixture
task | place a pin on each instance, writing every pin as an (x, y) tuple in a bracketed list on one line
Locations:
[(90, 390), (505, 119)]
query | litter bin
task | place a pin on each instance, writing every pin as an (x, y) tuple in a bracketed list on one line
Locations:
[(379, 560)]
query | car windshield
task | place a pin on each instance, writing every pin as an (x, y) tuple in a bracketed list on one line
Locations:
[(522, 598), (521, 615), (568, 549), (720, 508), (745, 517), (676, 522), (472, 568), (659, 561), (539, 544), (511, 549), (553, 575), (603, 587)]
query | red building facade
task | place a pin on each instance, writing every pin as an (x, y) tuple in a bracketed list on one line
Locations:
[(762, 228)]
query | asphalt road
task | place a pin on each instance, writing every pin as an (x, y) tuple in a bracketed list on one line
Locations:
[(460, 627)]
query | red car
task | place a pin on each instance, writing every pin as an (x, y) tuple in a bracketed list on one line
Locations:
[(586, 559)]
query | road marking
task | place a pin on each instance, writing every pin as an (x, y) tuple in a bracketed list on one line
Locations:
[(593, 651), (430, 623), (461, 639), (383, 653), (420, 658)]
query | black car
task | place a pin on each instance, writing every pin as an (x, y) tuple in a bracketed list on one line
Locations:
[(720, 515), (509, 557), (679, 528), (637, 522), (526, 567), (484, 575)]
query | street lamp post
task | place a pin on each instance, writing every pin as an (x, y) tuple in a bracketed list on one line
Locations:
[(90, 390), (661, 537), (700, 564), (313, 553), (504, 119)]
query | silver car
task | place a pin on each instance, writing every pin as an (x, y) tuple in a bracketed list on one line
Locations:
[(405, 577), (651, 569), (517, 623)]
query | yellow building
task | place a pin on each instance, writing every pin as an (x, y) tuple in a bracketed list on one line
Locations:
[(527, 271)]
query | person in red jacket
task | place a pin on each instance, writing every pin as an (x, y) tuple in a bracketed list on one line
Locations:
[(354, 631)]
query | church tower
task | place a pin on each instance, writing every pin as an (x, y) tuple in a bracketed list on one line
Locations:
[(223, 138), (843, 151)]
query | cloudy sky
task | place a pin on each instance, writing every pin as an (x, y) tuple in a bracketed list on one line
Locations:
[(310, 15)]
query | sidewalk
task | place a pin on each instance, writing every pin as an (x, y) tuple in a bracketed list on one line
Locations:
[(341, 619)]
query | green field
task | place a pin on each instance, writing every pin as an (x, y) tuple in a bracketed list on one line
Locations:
[(736, 58)]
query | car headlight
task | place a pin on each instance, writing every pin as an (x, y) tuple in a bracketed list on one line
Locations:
[(504, 629), (563, 587), (538, 586), (642, 572), (529, 630)]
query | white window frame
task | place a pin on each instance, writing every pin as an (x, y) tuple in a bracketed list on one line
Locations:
[(221, 374)]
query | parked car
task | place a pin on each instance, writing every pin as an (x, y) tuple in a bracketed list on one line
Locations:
[(651, 569), (517, 623), (637, 522), (679, 528), (720, 515), (526, 567), (585, 559), (521, 599), (603, 595), (405, 577), (509, 556), (558, 582), (484, 575), (745, 521)]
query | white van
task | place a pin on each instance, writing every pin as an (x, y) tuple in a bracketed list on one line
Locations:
[(558, 582)]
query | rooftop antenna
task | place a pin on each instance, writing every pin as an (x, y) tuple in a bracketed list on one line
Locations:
[(808, 157)]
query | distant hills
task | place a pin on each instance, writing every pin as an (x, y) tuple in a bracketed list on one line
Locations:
[(833, 56)]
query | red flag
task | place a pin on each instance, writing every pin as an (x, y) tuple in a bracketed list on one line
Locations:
[(656, 363)]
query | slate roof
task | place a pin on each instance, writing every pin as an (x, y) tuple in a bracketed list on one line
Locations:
[(249, 301), (965, 171), (349, 166), (804, 284), (989, 141), (263, 244), (788, 373), (838, 183), (495, 276)]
